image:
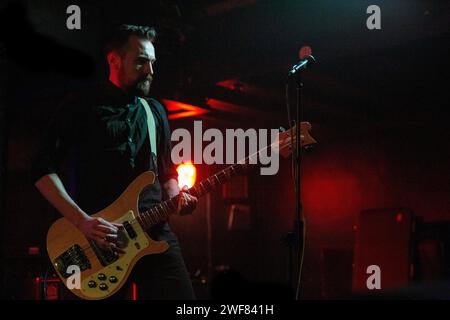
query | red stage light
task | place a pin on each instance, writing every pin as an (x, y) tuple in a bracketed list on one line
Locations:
[(134, 292), (187, 174), (182, 110), (304, 51)]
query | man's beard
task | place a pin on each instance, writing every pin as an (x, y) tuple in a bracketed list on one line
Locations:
[(142, 87)]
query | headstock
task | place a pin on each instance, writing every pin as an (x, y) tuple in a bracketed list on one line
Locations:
[(288, 137)]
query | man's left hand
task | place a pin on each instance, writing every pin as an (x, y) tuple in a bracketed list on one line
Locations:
[(186, 202)]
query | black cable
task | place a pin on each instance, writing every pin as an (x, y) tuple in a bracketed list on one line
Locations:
[(45, 282)]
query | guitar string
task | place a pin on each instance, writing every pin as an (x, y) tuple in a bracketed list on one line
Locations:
[(150, 213), (89, 251)]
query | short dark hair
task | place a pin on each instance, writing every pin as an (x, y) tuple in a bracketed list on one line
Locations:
[(118, 39)]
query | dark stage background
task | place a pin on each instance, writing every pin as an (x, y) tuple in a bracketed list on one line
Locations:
[(377, 100)]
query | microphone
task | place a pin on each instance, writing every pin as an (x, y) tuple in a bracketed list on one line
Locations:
[(302, 65)]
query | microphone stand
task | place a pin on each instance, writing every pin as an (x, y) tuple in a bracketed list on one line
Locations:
[(299, 223), (298, 234)]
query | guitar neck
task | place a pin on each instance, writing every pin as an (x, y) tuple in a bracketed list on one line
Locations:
[(161, 211), (282, 145)]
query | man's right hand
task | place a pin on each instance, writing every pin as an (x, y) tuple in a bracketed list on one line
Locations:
[(100, 230)]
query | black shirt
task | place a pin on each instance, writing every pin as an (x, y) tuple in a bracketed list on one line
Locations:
[(105, 131)]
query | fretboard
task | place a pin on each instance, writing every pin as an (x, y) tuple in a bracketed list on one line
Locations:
[(161, 211)]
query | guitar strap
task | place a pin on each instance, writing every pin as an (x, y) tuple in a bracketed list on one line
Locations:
[(151, 125)]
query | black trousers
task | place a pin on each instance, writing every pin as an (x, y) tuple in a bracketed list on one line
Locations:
[(160, 277)]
